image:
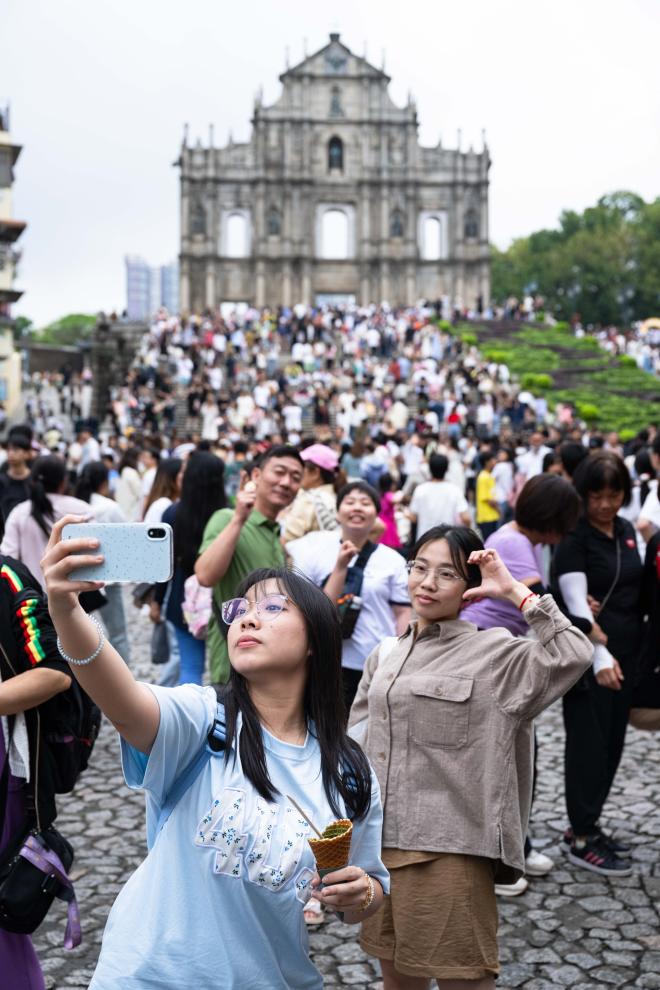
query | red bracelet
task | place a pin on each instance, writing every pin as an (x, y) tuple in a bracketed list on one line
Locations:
[(532, 594)]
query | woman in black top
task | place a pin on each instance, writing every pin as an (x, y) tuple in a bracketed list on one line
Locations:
[(599, 560), (202, 494)]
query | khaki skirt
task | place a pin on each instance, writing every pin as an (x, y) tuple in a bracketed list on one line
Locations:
[(440, 920)]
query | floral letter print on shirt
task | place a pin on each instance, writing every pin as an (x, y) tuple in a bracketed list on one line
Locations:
[(263, 844)]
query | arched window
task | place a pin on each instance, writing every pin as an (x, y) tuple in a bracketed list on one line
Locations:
[(396, 224), (237, 236), (274, 222), (336, 154), (471, 225), (334, 235), (432, 239)]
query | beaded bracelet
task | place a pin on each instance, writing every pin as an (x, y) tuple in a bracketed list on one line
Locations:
[(92, 656), (370, 894)]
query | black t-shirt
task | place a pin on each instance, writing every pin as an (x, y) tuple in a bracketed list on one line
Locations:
[(12, 492), (592, 552), (29, 642)]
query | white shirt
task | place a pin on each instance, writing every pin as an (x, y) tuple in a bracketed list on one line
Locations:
[(412, 458), (385, 584), (292, 418), (531, 463), (154, 513), (437, 503), (651, 508), (106, 510)]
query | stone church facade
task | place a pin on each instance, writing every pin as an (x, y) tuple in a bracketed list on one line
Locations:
[(332, 198)]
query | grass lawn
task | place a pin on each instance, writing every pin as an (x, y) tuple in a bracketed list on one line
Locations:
[(608, 392)]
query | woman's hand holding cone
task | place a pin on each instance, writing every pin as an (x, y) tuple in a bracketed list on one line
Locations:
[(343, 890)]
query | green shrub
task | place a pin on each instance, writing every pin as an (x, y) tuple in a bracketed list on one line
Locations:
[(445, 325), (625, 361), (469, 338), (563, 327), (533, 381), (588, 411), (497, 355), (627, 434)]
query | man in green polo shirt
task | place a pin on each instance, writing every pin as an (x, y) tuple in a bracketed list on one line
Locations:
[(238, 541)]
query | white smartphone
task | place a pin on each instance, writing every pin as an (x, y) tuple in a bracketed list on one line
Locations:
[(132, 552)]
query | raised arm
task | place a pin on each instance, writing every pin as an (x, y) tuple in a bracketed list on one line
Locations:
[(214, 562), (529, 674), (131, 707)]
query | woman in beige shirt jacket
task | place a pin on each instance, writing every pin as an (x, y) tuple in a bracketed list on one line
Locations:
[(445, 716)]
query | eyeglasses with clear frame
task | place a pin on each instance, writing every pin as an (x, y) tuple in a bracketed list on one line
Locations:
[(443, 575), (267, 608)]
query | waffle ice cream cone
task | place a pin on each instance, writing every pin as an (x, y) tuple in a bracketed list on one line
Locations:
[(333, 850)]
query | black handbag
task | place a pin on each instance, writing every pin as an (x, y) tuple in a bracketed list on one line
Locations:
[(32, 875), (160, 643), (33, 872)]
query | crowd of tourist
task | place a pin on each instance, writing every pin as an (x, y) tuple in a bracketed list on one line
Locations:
[(369, 517)]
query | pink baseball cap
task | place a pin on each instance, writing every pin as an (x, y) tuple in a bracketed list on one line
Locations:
[(324, 457)]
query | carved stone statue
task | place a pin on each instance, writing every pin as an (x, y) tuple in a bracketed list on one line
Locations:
[(471, 225), (335, 103), (274, 222), (396, 224), (198, 218)]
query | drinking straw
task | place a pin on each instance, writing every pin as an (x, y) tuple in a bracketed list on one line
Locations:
[(306, 817)]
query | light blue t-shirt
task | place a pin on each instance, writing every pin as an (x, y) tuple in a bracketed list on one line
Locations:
[(218, 902)]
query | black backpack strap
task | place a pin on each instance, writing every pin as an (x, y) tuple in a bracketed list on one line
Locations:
[(4, 778)]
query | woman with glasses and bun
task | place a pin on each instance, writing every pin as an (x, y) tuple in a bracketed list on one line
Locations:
[(446, 718), (219, 900)]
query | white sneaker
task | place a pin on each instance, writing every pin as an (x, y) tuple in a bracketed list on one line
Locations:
[(511, 889), (537, 864)]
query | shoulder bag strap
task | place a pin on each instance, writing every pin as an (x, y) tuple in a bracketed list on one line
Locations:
[(360, 564), (617, 575), (184, 782)]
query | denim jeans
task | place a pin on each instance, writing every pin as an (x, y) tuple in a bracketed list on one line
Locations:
[(169, 672), (192, 653), (114, 620)]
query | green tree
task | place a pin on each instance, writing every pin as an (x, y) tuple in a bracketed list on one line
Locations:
[(603, 263), (646, 262), (23, 326), (69, 330)]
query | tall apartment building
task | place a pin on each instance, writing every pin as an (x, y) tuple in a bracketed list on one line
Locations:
[(148, 288)]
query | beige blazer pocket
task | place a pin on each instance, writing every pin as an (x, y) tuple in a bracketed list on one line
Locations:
[(440, 710)]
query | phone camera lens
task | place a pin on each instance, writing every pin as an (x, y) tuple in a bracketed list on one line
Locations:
[(156, 533)]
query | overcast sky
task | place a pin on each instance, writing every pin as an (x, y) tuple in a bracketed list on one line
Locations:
[(567, 91)]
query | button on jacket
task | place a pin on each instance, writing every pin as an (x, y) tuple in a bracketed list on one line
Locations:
[(448, 717)]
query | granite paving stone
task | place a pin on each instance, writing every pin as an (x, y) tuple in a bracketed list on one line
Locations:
[(572, 929)]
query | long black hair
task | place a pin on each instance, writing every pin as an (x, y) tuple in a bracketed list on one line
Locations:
[(202, 494), (92, 477), (46, 477), (344, 767)]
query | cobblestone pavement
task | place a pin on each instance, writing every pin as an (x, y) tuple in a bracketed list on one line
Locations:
[(571, 929)]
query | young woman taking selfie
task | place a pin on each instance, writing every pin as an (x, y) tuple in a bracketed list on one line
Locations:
[(219, 900)]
